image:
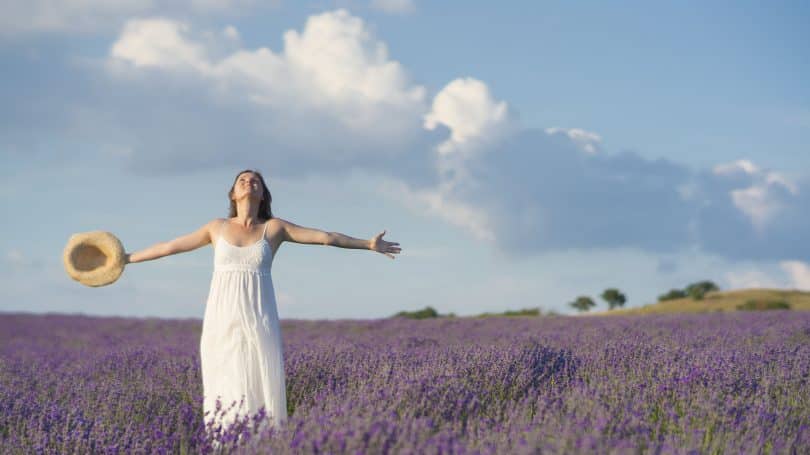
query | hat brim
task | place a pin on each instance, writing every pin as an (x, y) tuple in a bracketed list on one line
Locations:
[(94, 258)]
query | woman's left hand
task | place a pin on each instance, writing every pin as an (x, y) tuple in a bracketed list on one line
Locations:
[(382, 246)]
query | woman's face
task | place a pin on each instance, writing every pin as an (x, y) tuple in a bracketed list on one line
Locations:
[(247, 186)]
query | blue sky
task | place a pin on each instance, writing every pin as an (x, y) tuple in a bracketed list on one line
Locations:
[(522, 155)]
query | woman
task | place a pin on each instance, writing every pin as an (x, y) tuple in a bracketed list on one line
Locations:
[(240, 346)]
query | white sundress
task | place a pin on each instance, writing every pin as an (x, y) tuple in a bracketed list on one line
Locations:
[(240, 345)]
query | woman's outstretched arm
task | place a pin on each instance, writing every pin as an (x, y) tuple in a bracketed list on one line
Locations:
[(188, 242), (300, 234)]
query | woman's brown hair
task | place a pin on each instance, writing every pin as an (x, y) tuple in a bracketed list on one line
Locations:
[(265, 213)]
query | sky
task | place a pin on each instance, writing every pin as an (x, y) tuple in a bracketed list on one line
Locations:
[(522, 154)]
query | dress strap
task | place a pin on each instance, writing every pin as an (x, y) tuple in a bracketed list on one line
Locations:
[(265, 229)]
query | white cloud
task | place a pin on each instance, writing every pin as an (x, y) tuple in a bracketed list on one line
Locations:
[(334, 69), (799, 274), (230, 32), (393, 6), (765, 195), (747, 168), (159, 42), (90, 16), (777, 179), (588, 141), (796, 275), (756, 202), (343, 62), (475, 121), (331, 99), (440, 202), (735, 167), (752, 279), (467, 108)]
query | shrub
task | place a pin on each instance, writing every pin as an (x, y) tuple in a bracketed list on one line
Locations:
[(427, 312), (695, 290), (522, 312), (699, 289), (672, 295), (759, 305)]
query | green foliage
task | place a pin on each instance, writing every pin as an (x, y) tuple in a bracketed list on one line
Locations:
[(672, 295), (613, 297), (699, 289), (430, 312), (695, 290), (583, 303), (427, 312), (522, 312), (763, 304)]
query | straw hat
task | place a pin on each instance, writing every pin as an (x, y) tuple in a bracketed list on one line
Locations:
[(94, 258)]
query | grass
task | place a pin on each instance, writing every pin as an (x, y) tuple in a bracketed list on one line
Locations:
[(721, 301)]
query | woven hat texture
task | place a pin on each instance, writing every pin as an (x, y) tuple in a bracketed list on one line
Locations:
[(94, 258)]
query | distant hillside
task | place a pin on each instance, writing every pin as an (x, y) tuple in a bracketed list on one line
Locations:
[(719, 301)]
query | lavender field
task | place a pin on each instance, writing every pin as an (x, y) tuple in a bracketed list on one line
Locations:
[(699, 383)]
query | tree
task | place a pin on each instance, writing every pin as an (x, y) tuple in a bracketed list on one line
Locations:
[(425, 313), (613, 297), (672, 295), (583, 303), (699, 289)]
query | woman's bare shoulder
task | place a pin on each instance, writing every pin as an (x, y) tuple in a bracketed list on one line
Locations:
[(215, 224)]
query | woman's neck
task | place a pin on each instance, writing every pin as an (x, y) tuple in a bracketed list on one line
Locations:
[(247, 215)]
